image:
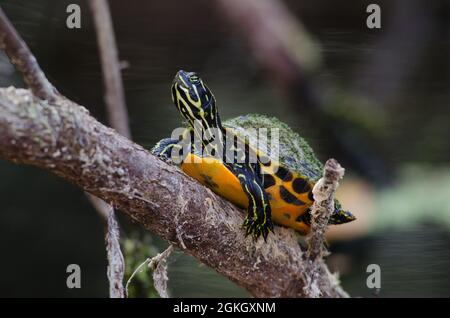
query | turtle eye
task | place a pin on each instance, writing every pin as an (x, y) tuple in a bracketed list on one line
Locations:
[(194, 79)]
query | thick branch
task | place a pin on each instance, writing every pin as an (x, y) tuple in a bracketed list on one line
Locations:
[(63, 138)]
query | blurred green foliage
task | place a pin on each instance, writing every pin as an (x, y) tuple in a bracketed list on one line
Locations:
[(136, 250), (421, 195)]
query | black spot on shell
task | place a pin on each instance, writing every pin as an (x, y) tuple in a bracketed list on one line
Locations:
[(300, 185), (305, 217), (209, 182), (284, 174), (268, 181), (289, 197)]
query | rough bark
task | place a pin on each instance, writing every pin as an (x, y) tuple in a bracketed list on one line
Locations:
[(61, 137), (116, 263), (321, 211)]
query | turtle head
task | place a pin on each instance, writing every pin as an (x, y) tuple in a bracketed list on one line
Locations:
[(340, 216), (194, 100)]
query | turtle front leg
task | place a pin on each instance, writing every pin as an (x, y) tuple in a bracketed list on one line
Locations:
[(259, 218), (164, 148)]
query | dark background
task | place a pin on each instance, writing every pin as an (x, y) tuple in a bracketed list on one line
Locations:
[(398, 75)]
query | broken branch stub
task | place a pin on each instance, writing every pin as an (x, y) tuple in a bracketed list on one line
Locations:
[(321, 210)]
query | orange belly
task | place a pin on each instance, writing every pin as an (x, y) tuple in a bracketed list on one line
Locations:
[(213, 174)]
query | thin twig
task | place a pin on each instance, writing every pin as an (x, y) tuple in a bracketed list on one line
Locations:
[(158, 265), (114, 93), (100, 206), (116, 266), (24, 61), (137, 270)]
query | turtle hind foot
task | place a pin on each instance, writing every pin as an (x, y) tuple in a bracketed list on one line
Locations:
[(256, 229)]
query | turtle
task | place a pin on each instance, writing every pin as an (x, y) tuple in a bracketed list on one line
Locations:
[(273, 183)]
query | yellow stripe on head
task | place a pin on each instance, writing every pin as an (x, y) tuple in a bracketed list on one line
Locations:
[(194, 100)]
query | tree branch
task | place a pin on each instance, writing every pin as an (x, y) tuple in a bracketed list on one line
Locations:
[(321, 211), (159, 267), (63, 138), (22, 58)]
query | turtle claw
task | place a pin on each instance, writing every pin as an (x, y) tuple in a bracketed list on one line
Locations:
[(252, 227)]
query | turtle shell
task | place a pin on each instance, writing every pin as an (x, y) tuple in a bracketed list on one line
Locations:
[(290, 197), (290, 150)]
